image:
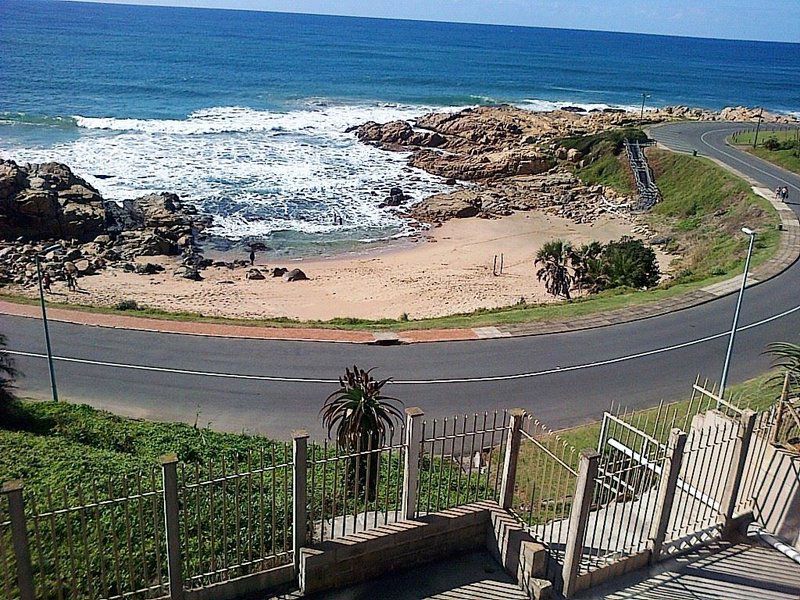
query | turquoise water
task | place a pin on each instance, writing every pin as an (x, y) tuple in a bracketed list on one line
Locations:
[(244, 113)]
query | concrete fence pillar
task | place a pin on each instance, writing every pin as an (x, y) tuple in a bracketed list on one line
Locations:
[(169, 470), (733, 482), (299, 493), (513, 442), (19, 538), (578, 519), (667, 486), (413, 444)]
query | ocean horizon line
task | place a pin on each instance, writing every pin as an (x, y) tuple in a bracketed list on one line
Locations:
[(431, 21)]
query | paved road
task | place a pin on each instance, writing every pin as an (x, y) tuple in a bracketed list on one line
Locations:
[(569, 377)]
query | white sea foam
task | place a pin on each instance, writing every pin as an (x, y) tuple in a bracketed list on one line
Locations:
[(258, 172)]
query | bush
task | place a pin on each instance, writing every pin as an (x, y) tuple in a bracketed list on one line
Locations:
[(629, 263), (126, 305), (772, 144), (626, 262)]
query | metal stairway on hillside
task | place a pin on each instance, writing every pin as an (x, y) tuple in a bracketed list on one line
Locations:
[(646, 189)]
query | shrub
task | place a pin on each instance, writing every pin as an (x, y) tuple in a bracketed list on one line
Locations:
[(126, 305), (627, 262), (772, 144)]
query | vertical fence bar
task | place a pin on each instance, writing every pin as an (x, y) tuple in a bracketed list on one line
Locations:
[(169, 467), (299, 493), (666, 491), (513, 442), (738, 462), (578, 518), (411, 467), (19, 538)]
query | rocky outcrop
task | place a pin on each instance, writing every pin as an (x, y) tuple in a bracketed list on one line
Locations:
[(46, 209), (45, 201), (729, 113), (557, 193)]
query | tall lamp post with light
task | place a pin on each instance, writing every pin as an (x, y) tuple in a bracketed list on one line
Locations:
[(50, 364), (724, 379)]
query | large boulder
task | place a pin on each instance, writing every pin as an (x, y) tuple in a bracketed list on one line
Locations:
[(295, 275), (45, 201)]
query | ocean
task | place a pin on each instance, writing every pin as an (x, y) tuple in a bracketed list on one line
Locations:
[(244, 113)]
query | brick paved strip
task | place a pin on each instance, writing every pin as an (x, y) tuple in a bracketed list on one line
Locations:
[(187, 327)]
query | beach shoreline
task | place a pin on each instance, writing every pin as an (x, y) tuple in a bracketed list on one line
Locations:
[(447, 270)]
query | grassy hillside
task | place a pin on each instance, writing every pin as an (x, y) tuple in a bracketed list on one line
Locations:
[(702, 213)]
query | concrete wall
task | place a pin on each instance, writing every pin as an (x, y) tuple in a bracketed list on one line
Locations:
[(243, 586), (405, 544)]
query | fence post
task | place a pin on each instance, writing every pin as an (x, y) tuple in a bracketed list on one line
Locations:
[(738, 462), (413, 443), (578, 518), (666, 491), (19, 538), (299, 493), (169, 470), (511, 458)]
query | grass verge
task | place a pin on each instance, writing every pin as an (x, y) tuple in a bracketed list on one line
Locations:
[(782, 155)]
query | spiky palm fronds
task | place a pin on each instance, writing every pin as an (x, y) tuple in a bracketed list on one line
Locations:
[(554, 258), (7, 373), (358, 413)]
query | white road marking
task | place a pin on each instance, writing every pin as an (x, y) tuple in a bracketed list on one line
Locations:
[(278, 378), (744, 162)]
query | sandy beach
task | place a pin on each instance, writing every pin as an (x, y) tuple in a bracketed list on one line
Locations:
[(446, 271)]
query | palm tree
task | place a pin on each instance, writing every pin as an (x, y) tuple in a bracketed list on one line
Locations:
[(787, 358), (553, 258), (586, 266), (7, 374), (360, 416)]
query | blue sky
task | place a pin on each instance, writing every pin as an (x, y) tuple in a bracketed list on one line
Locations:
[(777, 20)]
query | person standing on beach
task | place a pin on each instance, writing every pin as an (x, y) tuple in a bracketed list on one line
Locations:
[(46, 282), (252, 256)]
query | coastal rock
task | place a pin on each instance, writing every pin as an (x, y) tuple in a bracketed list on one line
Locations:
[(148, 268), (295, 275), (47, 200)]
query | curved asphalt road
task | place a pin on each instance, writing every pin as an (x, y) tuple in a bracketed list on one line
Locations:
[(565, 384)]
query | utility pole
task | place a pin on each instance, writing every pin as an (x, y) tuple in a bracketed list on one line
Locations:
[(46, 332), (724, 380), (758, 127)]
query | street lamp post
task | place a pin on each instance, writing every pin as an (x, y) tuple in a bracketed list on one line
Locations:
[(725, 368), (758, 127), (53, 387), (645, 96)]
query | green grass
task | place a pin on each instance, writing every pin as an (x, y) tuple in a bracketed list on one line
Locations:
[(788, 158), (609, 170), (703, 210)]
